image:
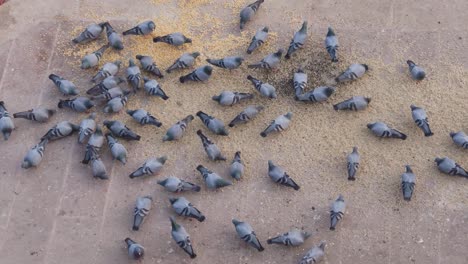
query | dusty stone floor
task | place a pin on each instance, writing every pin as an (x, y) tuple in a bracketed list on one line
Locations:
[(58, 213)]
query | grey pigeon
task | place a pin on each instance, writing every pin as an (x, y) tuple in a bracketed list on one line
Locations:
[(314, 255), (111, 94), (211, 149), (319, 94), (246, 233), (420, 118), (298, 40), (407, 183), (95, 142), (115, 105), (265, 89), (337, 211), (98, 168), (258, 40), (118, 150), (248, 12), (299, 82), (381, 129), (271, 61), (133, 75), (119, 129), (175, 185), (142, 209), (249, 113), (417, 73), (66, 87), (355, 103), (354, 72), (150, 167), (79, 104), (231, 98), (200, 74), (62, 129), (34, 155), (450, 167), (113, 37), (230, 63), (279, 124), (87, 128), (143, 28), (38, 114), (185, 61), (237, 166), (212, 180), (107, 84), (184, 208), (135, 250), (148, 64), (460, 139), (353, 164), (92, 60), (108, 69), (152, 87), (278, 175), (176, 131), (174, 39), (182, 238), (143, 117), (213, 124), (293, 238), (331, 44), (91, 32)]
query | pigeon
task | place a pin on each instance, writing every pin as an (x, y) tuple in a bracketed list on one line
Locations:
[(278, 175), (119, 129), (176, 131), (381, 129), (38, 114), (152, 87), (258, 40), (450, 167), (355, 103), (98, 168), (250, 112), (279, 124), (133, 75), (150, 167), (135, 250), (118, 150), (175, 39), (92, 60), (175, 185), (293, 238), (108, 69), (319, 94), (184, 208), (265, 89), (182, 238), (143, 28), (237, 166), (417, 73), (420, 118), (354, 72), (148, 64), (142, 209), (212, 180), (66, 87), (185, 61), (87, 128), (314, 255), (230, 63), (407, 183), (62, 129), (79, 104), (113, 37), (271, 61), (107, 84), (111, 94), (299, 82), (143, 117), (115, 104), (331, 44), (248, 12), (337, 211), (34, 155), (91, 32), (231, 98), (95, 142), (200, 74), (298, 40), (246, 233), (213, 124), (353, 164), (460, 139), (211, 149)]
